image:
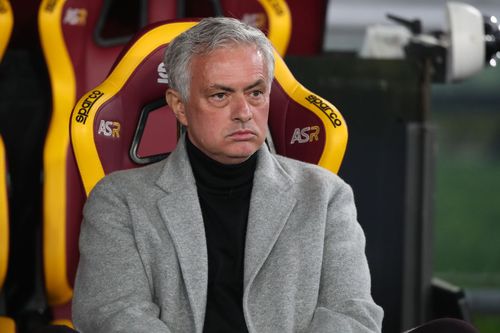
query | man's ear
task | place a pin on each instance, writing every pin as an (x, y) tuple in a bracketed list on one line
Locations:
[(175, 103)]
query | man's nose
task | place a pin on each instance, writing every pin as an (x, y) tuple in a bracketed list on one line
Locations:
[(241, 109)]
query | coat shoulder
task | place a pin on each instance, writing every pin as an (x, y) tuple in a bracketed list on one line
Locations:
[(131, 179), (310, 173)]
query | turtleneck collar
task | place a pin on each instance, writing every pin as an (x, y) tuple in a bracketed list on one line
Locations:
[(214, 175)]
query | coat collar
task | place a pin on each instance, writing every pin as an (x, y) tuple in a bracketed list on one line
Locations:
[(180, 209), (270, 206)]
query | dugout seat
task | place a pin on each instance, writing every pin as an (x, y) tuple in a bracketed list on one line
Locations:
[(308, 20), (294, 27), (272, 17), (7, 325), (80, 40), (124, 122)]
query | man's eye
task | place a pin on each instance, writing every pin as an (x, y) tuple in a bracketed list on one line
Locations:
[(256, 93), (218, 96)]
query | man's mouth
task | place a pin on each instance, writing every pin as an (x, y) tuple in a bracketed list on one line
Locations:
[(242, 135)]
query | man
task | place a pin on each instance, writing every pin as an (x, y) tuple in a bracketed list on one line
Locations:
[(222, 236)]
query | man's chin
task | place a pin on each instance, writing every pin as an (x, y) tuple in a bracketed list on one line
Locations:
[(239, 157)]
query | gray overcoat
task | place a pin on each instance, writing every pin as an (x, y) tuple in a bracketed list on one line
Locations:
[(143, 265)]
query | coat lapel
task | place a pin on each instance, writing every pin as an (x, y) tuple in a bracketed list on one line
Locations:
[(181, 212), (270, 207)]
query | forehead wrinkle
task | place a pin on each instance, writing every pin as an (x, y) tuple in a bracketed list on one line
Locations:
[(216, 86), (255, 84)]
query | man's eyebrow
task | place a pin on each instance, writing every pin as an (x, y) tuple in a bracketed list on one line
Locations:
[(229, 89), (255, 84), (220, 87)]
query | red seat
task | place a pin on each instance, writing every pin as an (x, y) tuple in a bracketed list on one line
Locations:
[(80, 39), (118, 124), (272, 17), (294, 27), (308, 20)]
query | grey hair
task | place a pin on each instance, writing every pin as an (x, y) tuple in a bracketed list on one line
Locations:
[(208, 35)]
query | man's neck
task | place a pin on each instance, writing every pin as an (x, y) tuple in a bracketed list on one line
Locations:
[(213, 174)]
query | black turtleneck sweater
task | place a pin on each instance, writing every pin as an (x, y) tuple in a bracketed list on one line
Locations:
[(224, 194)]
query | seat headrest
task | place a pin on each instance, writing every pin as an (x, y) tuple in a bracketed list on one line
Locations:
[(272, 17)]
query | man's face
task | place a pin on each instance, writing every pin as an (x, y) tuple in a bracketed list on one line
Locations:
[(228, 106)]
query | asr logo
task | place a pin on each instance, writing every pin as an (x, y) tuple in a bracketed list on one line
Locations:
[(306, 134), (75, 16), (162, 74), (109, 128)]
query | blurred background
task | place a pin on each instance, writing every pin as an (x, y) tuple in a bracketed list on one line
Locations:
[(466, 250)]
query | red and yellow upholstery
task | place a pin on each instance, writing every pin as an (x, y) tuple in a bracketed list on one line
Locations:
[(6, 22), (81, 40), (294, 27), (308, 21), (271, 16), (124, 123), (7, 325)]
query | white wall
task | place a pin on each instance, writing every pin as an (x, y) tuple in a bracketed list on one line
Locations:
[(347, 19)]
